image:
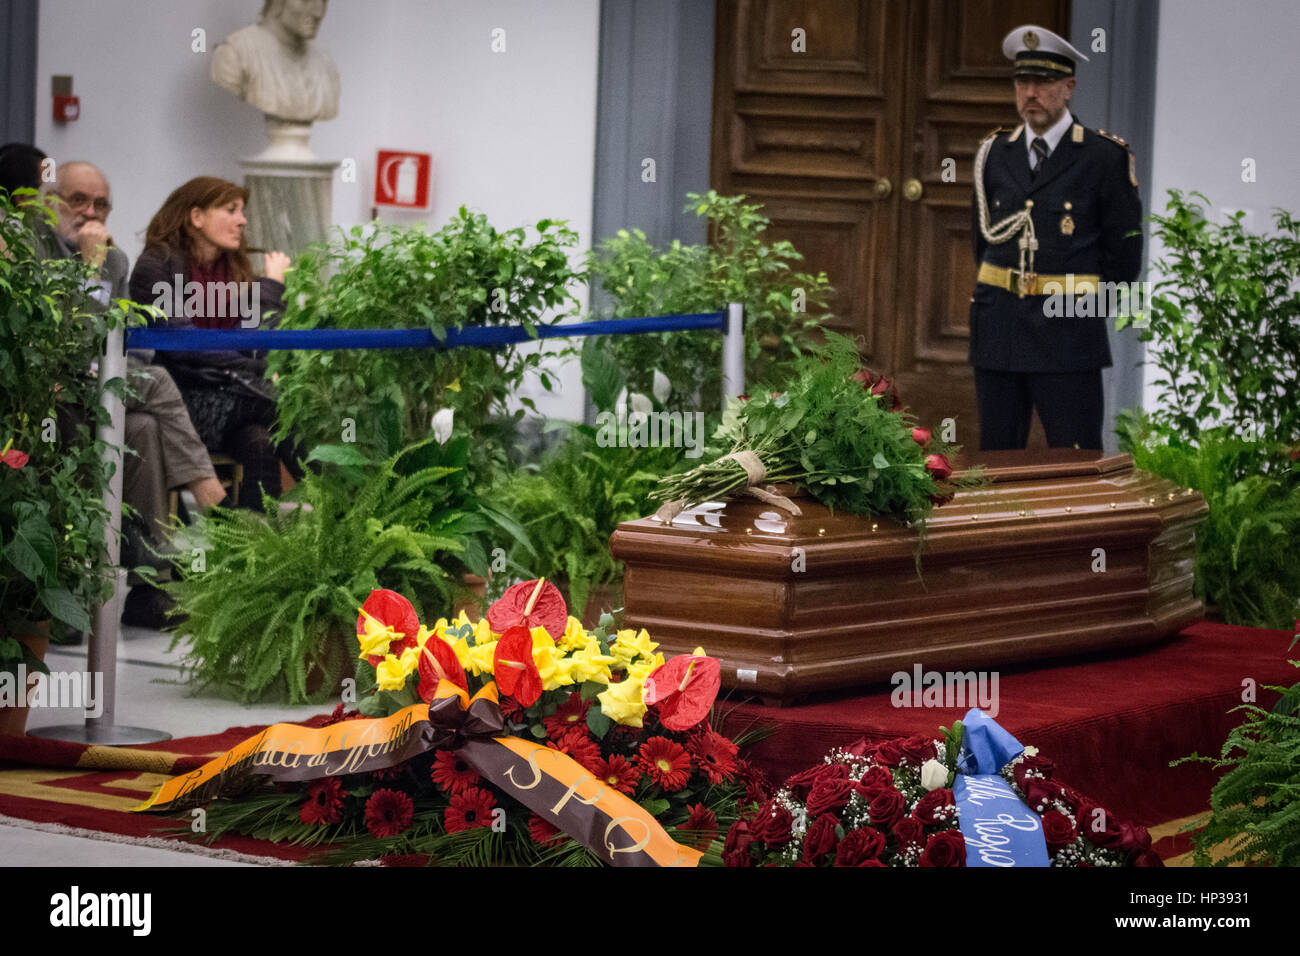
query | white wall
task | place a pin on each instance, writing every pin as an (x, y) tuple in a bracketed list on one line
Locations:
[(1226, 78), (512, 134)]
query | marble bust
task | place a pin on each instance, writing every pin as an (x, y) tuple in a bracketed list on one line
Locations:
[(274, 66)]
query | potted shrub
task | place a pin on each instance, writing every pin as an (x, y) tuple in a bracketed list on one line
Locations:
[(52, 480)]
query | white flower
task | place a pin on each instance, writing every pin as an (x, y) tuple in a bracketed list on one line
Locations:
[(933, 774), (1031, 751), (662, 388), (640, 403), (441, 425)]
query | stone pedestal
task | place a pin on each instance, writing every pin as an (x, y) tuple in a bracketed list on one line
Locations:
[(290, 204), (1064, 552)]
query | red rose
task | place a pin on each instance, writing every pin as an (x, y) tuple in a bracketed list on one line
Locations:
[(1039, 794), (938, 466), (1058, 831), (1133, 838), (890, 753), (946, 848), (859, 846), (1148, 858), (772, 824), (829, 795), (921, 436), (887, 808), (1036, 764), (819, 838), (1099, 825), (735, 852), (918, 749), (873, 781), (909, 831), (931, 808), (801, 784)]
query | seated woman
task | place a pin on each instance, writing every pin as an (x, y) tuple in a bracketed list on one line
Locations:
[(195, 268)]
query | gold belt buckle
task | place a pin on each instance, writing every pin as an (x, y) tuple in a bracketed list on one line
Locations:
[(1026, 283)]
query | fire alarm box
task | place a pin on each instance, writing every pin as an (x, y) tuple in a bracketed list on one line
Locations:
[(66, 109)]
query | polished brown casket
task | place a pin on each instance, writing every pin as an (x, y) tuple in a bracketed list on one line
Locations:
[(1062, 552)]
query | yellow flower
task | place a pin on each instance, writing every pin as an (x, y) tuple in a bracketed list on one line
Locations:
[(480, 658), (574, 635), (392, 672), (622, 702), (550, 662), (627, 647), (588, 663), (375, 637)]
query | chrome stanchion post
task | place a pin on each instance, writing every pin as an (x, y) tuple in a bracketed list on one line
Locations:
[(106, 621), (733, 353)]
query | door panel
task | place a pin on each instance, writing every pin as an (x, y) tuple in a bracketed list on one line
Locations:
[(888, 90)]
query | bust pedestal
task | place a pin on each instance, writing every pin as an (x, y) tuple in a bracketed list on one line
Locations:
[(290, 192)]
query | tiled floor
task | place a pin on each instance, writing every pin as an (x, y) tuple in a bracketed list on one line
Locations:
[(150, 694)]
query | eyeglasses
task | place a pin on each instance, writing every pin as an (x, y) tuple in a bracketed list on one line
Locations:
[(79, 201)]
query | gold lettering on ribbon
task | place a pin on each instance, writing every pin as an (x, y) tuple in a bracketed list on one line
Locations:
[(532, 765), (600, 792), (639, 846)]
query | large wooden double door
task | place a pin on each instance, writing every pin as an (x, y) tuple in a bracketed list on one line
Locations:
[(859, 135)]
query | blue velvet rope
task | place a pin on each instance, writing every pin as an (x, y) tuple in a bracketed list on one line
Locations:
[(480, 336)]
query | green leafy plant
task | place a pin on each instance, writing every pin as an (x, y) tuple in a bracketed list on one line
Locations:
[(277, 595), (381, 276), (1254, 813), (1224, 325), (1248, 549), (52, 520), (572, 503), (783, 308), (834, 434)]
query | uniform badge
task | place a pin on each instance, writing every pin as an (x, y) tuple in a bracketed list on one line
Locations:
[(1030, 40), (1067, 221)]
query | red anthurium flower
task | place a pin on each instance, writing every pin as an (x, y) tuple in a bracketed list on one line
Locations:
[(531, 604), (513, 666), (921, 436), (389, 609), (14, 458), (938, 466), (438, 662), (684, 688)]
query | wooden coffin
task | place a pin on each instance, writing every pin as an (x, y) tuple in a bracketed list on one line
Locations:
[(1063, 552)]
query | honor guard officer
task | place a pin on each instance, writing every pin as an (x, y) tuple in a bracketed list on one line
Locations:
[(1055, 203)]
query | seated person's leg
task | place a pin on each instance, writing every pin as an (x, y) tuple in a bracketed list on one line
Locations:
[(251, 446), (143, 485), (184, 460)]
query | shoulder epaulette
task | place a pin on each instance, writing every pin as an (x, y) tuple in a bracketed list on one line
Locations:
[(1113, 138), (1000, 129)]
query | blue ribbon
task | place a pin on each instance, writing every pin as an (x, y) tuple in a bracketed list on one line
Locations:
[(1000, 830), (163, 339)]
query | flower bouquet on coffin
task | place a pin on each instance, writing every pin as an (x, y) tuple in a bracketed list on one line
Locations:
[(523, 739), (839, 432), (972, 797)]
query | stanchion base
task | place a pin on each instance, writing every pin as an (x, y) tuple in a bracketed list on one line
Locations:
[(110, 736)]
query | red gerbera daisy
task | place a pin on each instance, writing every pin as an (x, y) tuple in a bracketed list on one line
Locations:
[(703, 825), (618, 773), (666, 763), (544, 832), (577, 743), (469, 810), (714, 754), (324, 802), (388, 813), (572, 713), (452, 773)]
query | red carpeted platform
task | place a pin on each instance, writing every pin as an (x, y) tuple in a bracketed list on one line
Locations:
[(1111, 723)]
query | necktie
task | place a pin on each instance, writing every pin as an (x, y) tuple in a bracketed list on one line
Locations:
[(1040, 149)]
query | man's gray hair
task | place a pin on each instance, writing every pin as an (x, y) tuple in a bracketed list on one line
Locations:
[(61, 168)]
